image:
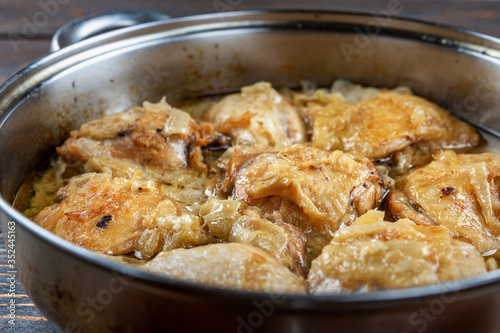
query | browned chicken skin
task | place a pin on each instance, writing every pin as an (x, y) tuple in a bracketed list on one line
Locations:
[(116, 216), (406, 128), (460, 192), (315, 190), (234, 266), (153, 142), (257, 115), (372, 254)]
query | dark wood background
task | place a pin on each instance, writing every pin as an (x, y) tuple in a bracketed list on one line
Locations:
[(26, 28)]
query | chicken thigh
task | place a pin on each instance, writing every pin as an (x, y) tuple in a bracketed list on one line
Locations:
[(313, 189), (372, 255), (458, 191), (257, 115), (117, 216), (231, 265), (155, 141), (402, 128)]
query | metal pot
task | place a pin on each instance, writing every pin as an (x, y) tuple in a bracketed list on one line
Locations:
[(82, 292)]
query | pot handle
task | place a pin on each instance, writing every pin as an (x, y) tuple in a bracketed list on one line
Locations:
[(93, 25)]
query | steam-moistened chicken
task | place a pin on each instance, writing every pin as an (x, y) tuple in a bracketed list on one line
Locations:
[(313, 189), (375, 255), (283, 241), (153, 141), (460, 192), (116, 216), (250, 200), (257, 115), (406, 128), (234, 266)]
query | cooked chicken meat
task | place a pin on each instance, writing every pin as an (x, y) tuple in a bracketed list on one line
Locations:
[(282, 240), (116, 216), (313, 189), (236, 194), (257, 115), (372, 254), (405, 128), (460, 192), (154, 141), (399, 205), (340, 90), (234, 266)]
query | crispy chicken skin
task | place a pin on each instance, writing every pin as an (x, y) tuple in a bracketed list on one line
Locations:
[(372, 254), (404, 127), (116, 216), (150, 141), (235, 266), (257, 115), (313, 189), (231, 224), (460, 192)]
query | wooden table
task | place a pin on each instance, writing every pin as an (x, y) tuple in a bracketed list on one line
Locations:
[(27, 26)]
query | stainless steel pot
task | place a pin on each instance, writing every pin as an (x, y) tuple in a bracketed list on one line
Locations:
[(82, 292)]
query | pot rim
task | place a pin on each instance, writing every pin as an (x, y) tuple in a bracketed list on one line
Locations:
[(18, 86), (31, 76)]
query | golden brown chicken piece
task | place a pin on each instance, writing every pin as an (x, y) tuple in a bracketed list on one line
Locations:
[(372, 254), (155, 141), (460, 192), (234, 266), (117, 216), (405, 128), (228, 222), (342, 90), (313, 189), (257, 115)]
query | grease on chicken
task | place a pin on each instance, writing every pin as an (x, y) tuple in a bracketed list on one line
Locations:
[(235, 266), (155, 141), (372, 254), (313, 189), (257, 115), (404, 128), (117, 216), (460, 192), (283, 241)]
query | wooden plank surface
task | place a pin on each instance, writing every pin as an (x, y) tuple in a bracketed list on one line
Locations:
[(40, 19), (11, 61), (26, 28), (27, 316)]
